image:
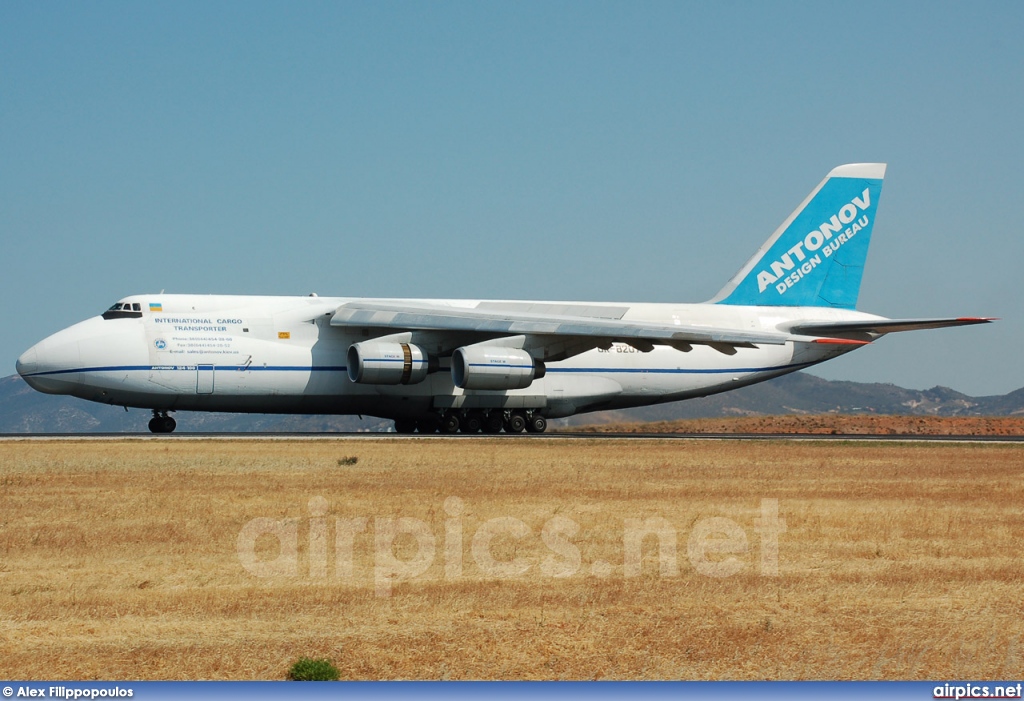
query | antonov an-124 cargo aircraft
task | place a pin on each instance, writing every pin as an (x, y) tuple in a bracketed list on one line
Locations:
[(466, 365)]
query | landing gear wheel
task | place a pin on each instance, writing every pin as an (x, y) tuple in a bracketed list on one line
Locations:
[(450, 423), (537, 424), (516, 423), (161, 423), (404, 426), (494, 422), (473, 422)]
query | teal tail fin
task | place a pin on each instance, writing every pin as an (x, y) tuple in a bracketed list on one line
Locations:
[(816, 258)]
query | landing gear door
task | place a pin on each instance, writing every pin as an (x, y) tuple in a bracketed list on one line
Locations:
[(204, 379)]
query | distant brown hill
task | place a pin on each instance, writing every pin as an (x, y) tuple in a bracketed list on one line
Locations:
[(23, 410), (801, 394), (830, 424)]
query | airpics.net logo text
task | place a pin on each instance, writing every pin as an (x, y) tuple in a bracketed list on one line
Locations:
[(823, 241), (406, 548)]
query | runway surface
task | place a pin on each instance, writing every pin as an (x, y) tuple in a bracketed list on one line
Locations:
[(554, 436)]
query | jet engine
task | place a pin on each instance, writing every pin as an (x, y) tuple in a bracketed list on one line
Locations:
[(494, 367), (384, 363)]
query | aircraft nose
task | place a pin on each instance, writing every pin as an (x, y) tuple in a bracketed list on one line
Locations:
[(28, 362), (46, 365)]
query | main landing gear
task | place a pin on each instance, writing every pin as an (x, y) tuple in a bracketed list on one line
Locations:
[(476, 421), (161, 422)]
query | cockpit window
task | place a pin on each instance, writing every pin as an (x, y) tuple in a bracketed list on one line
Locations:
[(124, 310)]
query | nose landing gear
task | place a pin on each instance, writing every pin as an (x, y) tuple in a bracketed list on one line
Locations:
[(161, 422)]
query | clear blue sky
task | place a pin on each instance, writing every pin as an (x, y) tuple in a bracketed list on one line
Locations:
[(625, 151)]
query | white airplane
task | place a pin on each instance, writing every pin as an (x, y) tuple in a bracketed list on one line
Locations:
[(461, 365)]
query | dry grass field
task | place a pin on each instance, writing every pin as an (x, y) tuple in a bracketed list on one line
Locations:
[(511, 559), (829, 424)]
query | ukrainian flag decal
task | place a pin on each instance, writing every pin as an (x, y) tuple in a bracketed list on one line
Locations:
[(156, 306)]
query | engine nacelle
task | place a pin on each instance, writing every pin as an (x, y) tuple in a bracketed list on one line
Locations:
[(384, 363), (494, 367)]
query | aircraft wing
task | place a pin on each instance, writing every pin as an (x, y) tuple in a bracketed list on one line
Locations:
[(879, 327), (498, 322)]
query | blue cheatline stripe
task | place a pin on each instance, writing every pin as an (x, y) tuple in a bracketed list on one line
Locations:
[(342, 368), (290, 368), (112, 368), (682, 371), (197, 366)]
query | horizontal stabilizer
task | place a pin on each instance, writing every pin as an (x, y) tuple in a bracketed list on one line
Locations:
[(879, 327)]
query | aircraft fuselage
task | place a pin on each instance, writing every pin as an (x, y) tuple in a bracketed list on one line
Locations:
[(282, 355)]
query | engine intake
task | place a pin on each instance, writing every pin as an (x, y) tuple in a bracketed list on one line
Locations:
[(494, 367), (384, 363)]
